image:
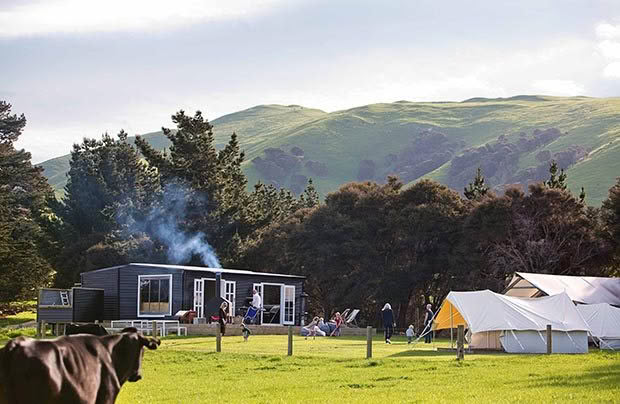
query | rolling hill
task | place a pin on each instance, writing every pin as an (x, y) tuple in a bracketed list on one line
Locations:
[(512, 139)]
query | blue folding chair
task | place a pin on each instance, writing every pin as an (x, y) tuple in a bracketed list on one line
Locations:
[(251, 314)]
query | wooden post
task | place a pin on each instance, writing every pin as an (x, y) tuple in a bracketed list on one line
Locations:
[(549, 339), (460, 343), (218, 338), (290, 340), (451, 328), (368, 342), (39, 329), (154, 331), (43, 329)]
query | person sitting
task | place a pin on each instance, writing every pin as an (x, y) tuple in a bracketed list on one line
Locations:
[(312, 329), (338, 321), (323, 326)]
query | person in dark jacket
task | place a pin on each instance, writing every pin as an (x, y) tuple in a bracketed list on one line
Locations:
[(222, 317), (428, 319), (388, 322)]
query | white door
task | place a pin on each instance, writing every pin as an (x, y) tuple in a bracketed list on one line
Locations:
[(288, 305), (259, 290), (230, 291), (199, 286)]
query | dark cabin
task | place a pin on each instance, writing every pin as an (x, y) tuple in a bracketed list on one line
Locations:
[(78, 304), (157, 291)]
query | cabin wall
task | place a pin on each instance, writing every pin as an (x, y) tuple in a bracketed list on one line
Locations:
[(244, 286), (128, 287), (88, 305), (106, 279)]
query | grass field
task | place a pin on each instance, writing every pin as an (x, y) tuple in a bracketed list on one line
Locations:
[(188, 370)]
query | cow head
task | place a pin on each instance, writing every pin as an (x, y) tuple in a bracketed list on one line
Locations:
[(127, 354)]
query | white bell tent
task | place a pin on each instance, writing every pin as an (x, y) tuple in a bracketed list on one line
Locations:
[(518, 325), (604, 322)]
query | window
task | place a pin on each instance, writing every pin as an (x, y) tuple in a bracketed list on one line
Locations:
[(154, 295)]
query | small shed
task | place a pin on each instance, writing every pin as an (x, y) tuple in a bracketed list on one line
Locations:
[(77, 304), (159, 291)]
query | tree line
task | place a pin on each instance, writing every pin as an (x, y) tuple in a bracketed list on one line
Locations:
[(364, 245)]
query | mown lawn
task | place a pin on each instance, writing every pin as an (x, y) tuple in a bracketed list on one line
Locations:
[(188, 370)]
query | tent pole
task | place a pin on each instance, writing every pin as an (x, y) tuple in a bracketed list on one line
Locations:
[(451, 328)]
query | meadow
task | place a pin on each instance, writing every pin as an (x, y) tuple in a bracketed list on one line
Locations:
[(188, 370)]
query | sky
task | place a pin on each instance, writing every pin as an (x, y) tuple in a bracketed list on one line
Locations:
[(80, 68)]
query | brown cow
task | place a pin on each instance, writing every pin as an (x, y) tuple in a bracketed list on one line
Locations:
[(71, 369)]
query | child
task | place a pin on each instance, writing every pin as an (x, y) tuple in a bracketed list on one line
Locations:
[(245, 331), (409, 334)]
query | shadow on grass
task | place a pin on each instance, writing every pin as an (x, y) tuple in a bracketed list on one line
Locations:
[(600, 378), (420, 353)]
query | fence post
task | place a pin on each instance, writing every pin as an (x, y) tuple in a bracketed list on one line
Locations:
[(460, 344), (368, 342), (43, 329), (549, 339), (290, 340), (154, 332), (39, 329), (218, 338)]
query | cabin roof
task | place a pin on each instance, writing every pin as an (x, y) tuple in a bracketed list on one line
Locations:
[(205, 269)]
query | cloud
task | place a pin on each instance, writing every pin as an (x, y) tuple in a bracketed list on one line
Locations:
[(612, 70), (76, 16), (607, 31), (559, 87)]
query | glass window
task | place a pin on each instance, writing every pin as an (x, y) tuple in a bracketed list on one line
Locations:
[(154, 295)]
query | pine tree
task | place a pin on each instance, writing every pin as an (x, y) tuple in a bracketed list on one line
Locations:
[(23, 193), (477, 189), (555, 180)]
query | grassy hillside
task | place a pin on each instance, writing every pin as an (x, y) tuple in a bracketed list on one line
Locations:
[(513, 139)]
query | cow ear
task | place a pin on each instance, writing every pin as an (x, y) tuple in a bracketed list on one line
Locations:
[(151, 343)]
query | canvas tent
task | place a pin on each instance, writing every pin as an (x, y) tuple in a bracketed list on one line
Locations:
[(604, 322), (519, 324), (580, 289)]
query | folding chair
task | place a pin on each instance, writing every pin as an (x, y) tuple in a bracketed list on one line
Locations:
[(250, 314), (274, 311), (345, 313), (351, 322)]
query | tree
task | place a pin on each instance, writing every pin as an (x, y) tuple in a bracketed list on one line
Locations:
[(555, 180), (108, 189), (550, 232), (611, 225), (23, 192), (477, 189)]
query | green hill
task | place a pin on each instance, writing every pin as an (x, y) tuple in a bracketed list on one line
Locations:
[(512, 139)]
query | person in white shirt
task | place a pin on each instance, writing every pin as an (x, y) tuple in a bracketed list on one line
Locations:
[(257, 301)]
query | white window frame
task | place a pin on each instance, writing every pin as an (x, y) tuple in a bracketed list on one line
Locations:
[(169, 276), (199, 288), (233, 285), (283, 305)]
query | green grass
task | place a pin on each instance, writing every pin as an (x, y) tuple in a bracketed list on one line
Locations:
[(19, 318), (188, 370), (342, 139)]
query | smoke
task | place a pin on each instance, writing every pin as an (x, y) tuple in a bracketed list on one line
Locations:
[(165, 220)]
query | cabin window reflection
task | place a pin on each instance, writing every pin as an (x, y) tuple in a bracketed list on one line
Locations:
[(154, 295)]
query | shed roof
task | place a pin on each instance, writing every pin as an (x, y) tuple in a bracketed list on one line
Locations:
[(210, 270), (581, 289)]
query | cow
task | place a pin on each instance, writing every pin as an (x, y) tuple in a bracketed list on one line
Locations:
[(91, 328), (71, 369)]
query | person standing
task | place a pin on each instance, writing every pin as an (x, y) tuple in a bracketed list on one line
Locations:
[(222, 317), (388, 322), (428, 320), (257, 303)]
